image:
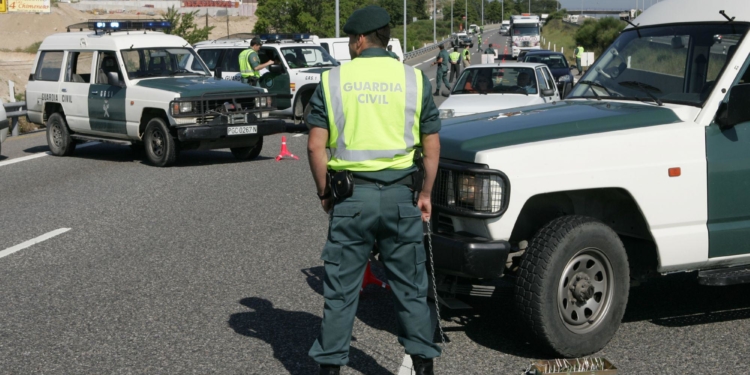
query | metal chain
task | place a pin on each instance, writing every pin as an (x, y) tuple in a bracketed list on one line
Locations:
[(434, 284)]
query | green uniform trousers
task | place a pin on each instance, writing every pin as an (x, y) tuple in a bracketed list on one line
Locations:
[(442, 77), (384, 215)]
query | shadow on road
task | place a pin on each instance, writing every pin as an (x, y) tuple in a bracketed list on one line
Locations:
[(37, 149), (290, 334), (3, 157)]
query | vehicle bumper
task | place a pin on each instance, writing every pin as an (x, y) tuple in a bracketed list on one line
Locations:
[(472, 257), (216, 132), (4, 124)]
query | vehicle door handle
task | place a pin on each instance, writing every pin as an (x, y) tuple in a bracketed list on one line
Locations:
[(95, 92), (64, 90)]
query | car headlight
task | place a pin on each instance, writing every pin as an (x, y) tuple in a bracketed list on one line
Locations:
[(263, 102), (447, 113), (565, 78), (181, 107), (472, 191)]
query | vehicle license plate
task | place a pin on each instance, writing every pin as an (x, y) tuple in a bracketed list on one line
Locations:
[(240, 130)]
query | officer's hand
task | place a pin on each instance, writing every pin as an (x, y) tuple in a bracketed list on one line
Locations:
[(327, 204), (425, 205)]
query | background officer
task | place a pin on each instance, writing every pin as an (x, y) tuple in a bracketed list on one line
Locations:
[(479, 43), (455, 59), (441, 77), (579, 54), (250, 65), (366, 113), (489, 50), (466, 56), (393, 54)]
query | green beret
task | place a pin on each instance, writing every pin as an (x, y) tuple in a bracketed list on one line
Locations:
[(366, 20)]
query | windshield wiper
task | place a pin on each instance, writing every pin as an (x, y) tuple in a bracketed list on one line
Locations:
[(644, 87), (183, 71), (597, 84)]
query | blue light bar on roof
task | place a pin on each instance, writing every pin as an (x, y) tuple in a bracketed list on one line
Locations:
[(127, 25), (278, 37)]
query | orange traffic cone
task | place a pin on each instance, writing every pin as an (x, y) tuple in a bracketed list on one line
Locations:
[(505, 53), (284, 151), (371, 279)]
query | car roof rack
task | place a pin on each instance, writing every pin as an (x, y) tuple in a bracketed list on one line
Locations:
[(282, 37), (108, 26), (246, 36)]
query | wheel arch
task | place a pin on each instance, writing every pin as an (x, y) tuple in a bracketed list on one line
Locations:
[(50, 108), (615, 207), (147, 114)]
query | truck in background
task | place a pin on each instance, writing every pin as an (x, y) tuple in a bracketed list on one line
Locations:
[(525, 33)]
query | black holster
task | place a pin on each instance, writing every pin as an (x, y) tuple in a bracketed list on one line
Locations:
[(341, 184), (418, 176)]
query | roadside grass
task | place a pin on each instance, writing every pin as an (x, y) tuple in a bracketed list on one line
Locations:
[(33, 48), (420, 32), (561, 34)]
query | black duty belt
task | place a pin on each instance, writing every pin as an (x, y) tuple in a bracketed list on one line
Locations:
[(408, 181)]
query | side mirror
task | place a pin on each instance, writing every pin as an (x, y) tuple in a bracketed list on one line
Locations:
[(735, 111), (113, 79), (218, 73), (276, 69), (548, 92)]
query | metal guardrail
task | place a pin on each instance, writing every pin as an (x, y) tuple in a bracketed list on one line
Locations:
[(423, 50), (13, 110)]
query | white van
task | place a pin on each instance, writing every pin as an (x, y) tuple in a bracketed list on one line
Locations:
[(339, 48)]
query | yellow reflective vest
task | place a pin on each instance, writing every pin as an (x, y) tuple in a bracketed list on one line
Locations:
[(246, 70), (455, 56), (579, 53), (373, 105)]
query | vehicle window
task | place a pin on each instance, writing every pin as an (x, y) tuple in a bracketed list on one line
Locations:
[(231, 60), (266, 54), (522, 30), (677, 64), (48, 68), (304, 56), (160, 62), (79, 67), (209, 56), (496, 80), (550, 79), (108, 69), (540, 78), (325, 47)]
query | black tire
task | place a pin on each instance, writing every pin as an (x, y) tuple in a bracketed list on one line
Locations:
[(248, 153), (58, 136), (161, 147), (552, 287), (308, 110)]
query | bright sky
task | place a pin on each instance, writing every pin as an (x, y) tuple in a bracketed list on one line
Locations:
[(606, 4)]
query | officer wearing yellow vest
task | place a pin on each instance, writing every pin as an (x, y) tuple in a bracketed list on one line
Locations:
[(250, 65), (373, 114), (466, 56), (455, 60), (579, 54)]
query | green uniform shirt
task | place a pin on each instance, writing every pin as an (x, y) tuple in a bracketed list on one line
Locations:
[(444, 55), (429, 122), (489, 51), (254, 60), (394, 55)]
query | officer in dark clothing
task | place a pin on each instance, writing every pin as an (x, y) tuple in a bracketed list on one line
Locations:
[(366, 113)]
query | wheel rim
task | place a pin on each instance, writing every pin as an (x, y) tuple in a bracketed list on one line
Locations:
[(56, 134), (157, 142), (584, 294)]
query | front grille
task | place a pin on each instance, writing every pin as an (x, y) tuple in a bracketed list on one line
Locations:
[(526, 44), (470, 191)]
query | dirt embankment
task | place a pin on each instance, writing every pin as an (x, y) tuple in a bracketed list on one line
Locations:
[(22, 30)]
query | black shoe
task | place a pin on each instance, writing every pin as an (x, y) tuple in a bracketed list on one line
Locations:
[(436, 93), (422, 366), (329, 370)]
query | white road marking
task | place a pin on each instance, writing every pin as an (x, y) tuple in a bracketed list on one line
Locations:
[(32, 242), (297, 135), (405, 368), (39, 155)]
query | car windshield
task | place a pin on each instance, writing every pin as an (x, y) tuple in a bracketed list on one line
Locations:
[(162, 62), (496, 80), (552, 61), (673, 64), (305, 57), (523, 30)]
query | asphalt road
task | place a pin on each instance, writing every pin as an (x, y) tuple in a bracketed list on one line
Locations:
[(212, 267)]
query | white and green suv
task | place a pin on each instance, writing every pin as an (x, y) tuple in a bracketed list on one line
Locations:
[(643, 170), (294, 76)]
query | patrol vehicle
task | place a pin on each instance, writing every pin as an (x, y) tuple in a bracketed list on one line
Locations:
[(4, 124), (122, 82), (299, 61), (643, 170)]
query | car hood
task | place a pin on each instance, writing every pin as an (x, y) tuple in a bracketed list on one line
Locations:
[(462, 138), (557, 72), (197, 86), (468, 104)]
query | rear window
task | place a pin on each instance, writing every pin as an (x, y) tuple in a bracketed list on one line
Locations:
[(209, 56), (49, 66), (231, 60)]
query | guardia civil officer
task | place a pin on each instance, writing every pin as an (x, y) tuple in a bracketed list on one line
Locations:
[(372, 113), (250, 65), (489, 50), (455, 59), (441, 75)]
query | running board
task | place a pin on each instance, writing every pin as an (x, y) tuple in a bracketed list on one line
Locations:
[(725, 276), (97, 139)]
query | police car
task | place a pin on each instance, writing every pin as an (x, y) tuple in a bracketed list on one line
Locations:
[(299, 61), (641, 171), (123, 82), (4, 123)]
